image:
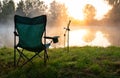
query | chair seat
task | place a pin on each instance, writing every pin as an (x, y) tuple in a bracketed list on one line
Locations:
[(35, 49)]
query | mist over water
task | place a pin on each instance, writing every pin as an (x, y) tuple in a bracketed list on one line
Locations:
[(79, 35), (89, 36), (102, 36), (6, 35)]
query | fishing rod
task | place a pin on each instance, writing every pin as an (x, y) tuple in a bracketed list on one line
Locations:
[(67, 29)]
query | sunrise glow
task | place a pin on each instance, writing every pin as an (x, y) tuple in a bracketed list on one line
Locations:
[(77, 38), (100, 40), (75, 7)]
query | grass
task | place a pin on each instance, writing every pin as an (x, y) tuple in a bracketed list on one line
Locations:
[(80, 62)]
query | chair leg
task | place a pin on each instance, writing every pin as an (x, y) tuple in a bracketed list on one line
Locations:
[(29, 60), (38, 54), (45, 56), (22, 56), (14, 57), (19, 59)]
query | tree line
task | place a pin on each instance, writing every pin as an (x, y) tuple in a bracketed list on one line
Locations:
[(56, 12), (31, 8), (114, 14)]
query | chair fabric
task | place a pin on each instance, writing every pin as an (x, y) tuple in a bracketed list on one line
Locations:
[(30, 32)]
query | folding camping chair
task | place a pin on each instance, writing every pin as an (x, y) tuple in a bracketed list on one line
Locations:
[(30, 32)]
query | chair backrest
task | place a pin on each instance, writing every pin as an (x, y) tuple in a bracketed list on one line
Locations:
[(30, 31)]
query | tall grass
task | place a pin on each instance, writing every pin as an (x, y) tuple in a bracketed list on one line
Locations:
[(80, 62)]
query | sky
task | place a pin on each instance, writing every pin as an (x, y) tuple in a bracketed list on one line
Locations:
[(75, 7)]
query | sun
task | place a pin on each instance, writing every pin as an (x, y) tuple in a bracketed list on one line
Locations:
[(75, 8)]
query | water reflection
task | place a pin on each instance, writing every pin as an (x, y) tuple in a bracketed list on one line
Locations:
[(83, 37), (100, 40)]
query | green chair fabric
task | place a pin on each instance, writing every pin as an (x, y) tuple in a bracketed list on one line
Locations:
[(30, 32)]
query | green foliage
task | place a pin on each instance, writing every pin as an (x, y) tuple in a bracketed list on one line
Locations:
[(80, 62), (20, 8), (32, 8), (7, 10), (115, 12)]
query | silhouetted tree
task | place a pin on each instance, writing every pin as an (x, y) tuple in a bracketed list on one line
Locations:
[(114, 3), (0, 11), (89, 13), (20, 8), (114, 14), (8, 9), (0, 7), (31, 8), (11, 8), (35, 8), (58, 13)]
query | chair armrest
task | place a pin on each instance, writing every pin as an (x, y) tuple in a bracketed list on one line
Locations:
[(46, 37), (54, 38)]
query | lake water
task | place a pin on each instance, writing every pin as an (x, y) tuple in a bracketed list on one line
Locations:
[(79, 35)]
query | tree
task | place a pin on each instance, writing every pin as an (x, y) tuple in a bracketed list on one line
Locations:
[(114, 3), (58, 13), (89, 13), (35, 8), (20, 8), (0, 7), (11, 8), (0, 11), (8, 9), (114, 13)]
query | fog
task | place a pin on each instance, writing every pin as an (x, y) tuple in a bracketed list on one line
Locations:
[(79, 35), (6, 35), (99, 35), (102, 36)]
